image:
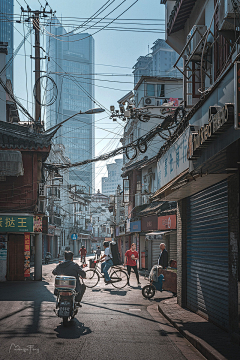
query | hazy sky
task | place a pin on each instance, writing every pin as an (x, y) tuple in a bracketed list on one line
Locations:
[(118, 50)]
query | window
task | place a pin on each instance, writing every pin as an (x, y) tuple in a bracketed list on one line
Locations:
[(161, 90), (150, 90)]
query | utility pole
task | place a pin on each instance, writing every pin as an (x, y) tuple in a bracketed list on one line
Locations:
[(35, 16), (37, 69)]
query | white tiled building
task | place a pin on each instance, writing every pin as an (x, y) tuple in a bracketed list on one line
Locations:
[(111, 182)]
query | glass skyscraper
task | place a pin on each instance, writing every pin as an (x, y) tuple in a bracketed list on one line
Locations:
[(6, 31), (71, 65)]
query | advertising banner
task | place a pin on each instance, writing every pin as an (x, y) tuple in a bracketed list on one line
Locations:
[(37, 224), (26, 254)]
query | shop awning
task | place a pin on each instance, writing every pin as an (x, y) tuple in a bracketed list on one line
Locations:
[(156, 234), (166, 188), (11, 163)]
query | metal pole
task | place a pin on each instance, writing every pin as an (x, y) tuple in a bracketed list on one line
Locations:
[(38, 257), (37, 68)]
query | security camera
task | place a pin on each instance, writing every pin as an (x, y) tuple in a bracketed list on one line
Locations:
[(121, 107)]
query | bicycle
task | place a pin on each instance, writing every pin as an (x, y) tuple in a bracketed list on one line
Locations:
[(119, 277)]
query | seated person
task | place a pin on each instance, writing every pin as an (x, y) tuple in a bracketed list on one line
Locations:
[(105, 266), (173, 264), (70, 268)]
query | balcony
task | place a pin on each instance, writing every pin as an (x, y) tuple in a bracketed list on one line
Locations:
[(179, 15)]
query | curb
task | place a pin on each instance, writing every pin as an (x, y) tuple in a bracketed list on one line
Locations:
[(204, 348)]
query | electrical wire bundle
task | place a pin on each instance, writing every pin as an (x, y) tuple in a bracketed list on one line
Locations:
[(170, 122)]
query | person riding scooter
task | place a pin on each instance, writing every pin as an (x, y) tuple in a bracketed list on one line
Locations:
[(70, 268)]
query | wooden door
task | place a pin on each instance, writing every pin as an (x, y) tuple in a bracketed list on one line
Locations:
[(15, 268)]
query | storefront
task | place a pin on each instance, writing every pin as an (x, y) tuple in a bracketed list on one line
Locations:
[(169, 223), (150, 247), (15, 246)]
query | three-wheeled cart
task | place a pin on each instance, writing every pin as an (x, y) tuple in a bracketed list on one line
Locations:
[(156, 282)]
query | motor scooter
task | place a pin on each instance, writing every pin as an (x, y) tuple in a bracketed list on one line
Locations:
[(66, 307)]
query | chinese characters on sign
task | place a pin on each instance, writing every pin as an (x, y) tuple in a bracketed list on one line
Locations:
[(9, 223), (174, 161), (26, 254), (167, 222)]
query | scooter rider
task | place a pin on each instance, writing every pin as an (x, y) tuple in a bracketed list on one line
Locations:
[(70, 268)]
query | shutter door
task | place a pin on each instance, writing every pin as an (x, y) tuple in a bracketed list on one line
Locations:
[(155, 251), (173, 246), (207, 253)]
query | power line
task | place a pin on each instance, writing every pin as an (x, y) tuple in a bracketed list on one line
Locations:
[(104, 27)]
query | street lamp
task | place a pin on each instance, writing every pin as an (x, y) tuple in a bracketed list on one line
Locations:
[(90, 111)]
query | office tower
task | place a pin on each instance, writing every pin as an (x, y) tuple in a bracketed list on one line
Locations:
[(71, 66), (6, 31), (111, 182)]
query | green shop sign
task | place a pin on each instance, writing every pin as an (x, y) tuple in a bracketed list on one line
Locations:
[(21, 223)]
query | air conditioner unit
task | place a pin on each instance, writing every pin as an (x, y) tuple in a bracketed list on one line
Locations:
[(41, 206), (226, 15), (138, 199), (149, 101), (145, 199)]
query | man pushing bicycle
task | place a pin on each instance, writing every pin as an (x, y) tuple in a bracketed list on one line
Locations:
[(105, 266)]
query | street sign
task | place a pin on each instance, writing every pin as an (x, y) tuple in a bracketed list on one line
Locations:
[(74, 236)]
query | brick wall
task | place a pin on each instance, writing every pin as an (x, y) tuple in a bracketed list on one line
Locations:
[(182, 252)]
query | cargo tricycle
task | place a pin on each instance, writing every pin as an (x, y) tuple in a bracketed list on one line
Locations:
[(156, 282)]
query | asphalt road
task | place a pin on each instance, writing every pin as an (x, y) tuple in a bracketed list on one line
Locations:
[(112, 324)]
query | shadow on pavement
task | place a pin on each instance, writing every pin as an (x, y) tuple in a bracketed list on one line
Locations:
[(35, 292), (74, 330), (129, 313), (116, 292)]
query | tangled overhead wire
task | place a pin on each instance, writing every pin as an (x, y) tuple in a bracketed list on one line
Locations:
[(171, 122), (49, 85)]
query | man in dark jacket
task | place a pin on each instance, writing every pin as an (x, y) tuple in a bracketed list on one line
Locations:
[(163, 257), (70, 268)]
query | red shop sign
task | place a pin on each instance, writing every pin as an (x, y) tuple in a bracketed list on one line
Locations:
[(167, 222)]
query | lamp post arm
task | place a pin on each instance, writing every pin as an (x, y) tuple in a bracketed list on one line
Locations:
[(60, 124)]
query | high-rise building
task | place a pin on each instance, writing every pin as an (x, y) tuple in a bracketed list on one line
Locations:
[(6, 31), (111, 182), (71, 66), (158, 63)]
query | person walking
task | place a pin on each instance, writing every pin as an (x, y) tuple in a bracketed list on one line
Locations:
[(98, 252), (163, 257), (130, 259), (83, 253)]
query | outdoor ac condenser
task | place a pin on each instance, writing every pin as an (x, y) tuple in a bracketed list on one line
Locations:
[(226, 16)]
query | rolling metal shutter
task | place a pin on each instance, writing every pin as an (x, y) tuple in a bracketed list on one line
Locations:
[(172, 246), (155, 251), (207, 253)]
